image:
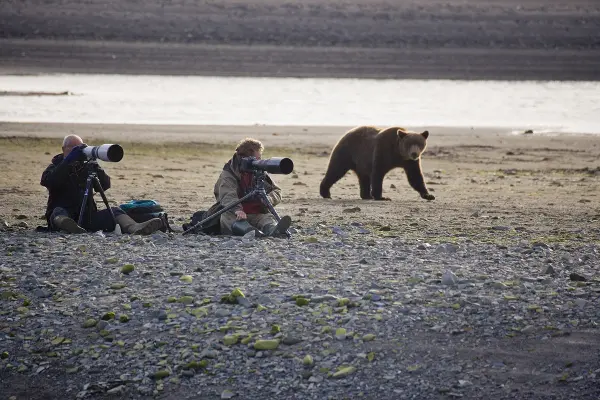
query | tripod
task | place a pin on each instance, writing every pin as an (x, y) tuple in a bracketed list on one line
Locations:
[(257, 190), (93, 183)]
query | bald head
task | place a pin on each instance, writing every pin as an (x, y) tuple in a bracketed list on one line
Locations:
[(69, 142)]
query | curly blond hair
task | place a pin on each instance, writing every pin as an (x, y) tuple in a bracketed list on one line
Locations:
[(248, 146)]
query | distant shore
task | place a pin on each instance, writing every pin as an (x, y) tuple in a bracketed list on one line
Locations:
[(498, 40)]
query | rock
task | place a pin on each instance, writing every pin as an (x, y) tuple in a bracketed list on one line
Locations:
[(116, 390), (340, 333), (42, 293), (548, 270), (163, 373), (449, 279), (577, 277), (301, 301), (22, 224), (123, 318), (209, 353), (368, 337), (108, 316), (161, 315), (270, 344), (446, 248), (186, 300), (244, 302), (101, 325), (264, 300), (308, 360), (291, 340), (230, 340), (227, 394), (343, 372), (118, 286), (127, 269), (90, 323), (528, 329), (323, 299), (231, 298), (581, 303), (222, 312)]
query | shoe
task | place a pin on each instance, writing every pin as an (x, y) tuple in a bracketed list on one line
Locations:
[(128, 225), (282, 226), (67, 224)]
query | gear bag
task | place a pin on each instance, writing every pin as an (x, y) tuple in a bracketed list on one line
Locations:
[(144, 210)]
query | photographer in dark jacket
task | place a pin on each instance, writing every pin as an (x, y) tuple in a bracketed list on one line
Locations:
[(66, 178)]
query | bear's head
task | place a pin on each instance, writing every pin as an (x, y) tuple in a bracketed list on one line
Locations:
[(412, 145)]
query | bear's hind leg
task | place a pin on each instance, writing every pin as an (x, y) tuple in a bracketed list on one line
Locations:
[(365, 186), (334, 173)]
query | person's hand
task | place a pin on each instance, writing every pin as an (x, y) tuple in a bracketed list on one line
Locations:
[(240, 215), (76, 154)]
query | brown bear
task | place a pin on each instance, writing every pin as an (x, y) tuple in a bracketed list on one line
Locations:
[(371, 153)]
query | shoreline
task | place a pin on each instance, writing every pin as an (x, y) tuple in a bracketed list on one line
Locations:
[(40, 56)]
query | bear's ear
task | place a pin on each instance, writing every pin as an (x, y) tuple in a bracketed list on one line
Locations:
[(425, 134), (401, 133)]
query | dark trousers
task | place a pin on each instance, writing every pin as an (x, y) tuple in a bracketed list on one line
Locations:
[(99, 221)]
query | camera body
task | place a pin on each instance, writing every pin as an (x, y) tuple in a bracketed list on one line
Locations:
[(273, 165), (104, 152)]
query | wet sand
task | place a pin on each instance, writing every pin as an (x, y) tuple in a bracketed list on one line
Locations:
[(375, 39)]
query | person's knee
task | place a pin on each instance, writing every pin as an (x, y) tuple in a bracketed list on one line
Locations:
[(117, 211), (58, 211)]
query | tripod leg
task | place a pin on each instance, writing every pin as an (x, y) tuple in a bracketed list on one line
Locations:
[(101, 191), (271, 209), (224, 210), (86, 194)]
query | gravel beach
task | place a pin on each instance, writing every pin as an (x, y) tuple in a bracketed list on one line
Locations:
[(490, 290)]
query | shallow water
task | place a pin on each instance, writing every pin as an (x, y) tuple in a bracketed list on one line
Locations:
[(542, 106)]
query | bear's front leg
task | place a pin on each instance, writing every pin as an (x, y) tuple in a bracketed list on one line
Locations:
[(415, 178), (428, 196)]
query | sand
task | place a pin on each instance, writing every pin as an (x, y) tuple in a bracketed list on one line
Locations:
[(543, 184)]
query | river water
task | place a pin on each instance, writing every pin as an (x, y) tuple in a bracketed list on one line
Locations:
[(552, 107)]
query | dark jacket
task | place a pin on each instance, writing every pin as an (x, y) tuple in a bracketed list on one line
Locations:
[(66, 186)]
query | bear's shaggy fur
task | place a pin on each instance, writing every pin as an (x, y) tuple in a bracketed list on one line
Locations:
[(371, 153)]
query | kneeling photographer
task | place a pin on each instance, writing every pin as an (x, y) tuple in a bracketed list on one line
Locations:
[(234, 183), (66, 178)]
